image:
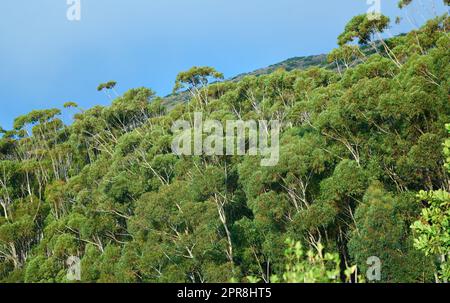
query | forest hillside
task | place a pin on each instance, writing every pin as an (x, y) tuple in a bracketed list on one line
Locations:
[(361, 174)]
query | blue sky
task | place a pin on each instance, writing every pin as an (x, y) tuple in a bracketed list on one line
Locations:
[(46, 60)]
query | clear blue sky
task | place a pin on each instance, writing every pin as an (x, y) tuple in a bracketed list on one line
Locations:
[(46, 60)]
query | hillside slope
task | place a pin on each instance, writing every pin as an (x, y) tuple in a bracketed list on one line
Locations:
[(356, 148)]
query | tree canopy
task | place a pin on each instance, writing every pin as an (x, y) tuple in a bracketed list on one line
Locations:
[(358, 145)]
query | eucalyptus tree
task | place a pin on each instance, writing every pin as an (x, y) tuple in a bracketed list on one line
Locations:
[(195, 80), (107, 86)]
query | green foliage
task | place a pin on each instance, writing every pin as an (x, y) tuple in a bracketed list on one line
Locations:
[(70, 104), (404, 3), (106, 85), (357, 144), (433, 228), (309, 267), (312, 266), (433, 231), (195, 80), (381, 226), (363, 28), (196, 77)]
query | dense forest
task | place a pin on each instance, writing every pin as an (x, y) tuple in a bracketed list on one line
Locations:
[(363, 171)]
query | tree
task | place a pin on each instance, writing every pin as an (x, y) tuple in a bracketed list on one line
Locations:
[(381, 230), (356, 147), (348, 55), (195, 80), (363, 28), (70, 105), (110, 85), (313, 266)]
